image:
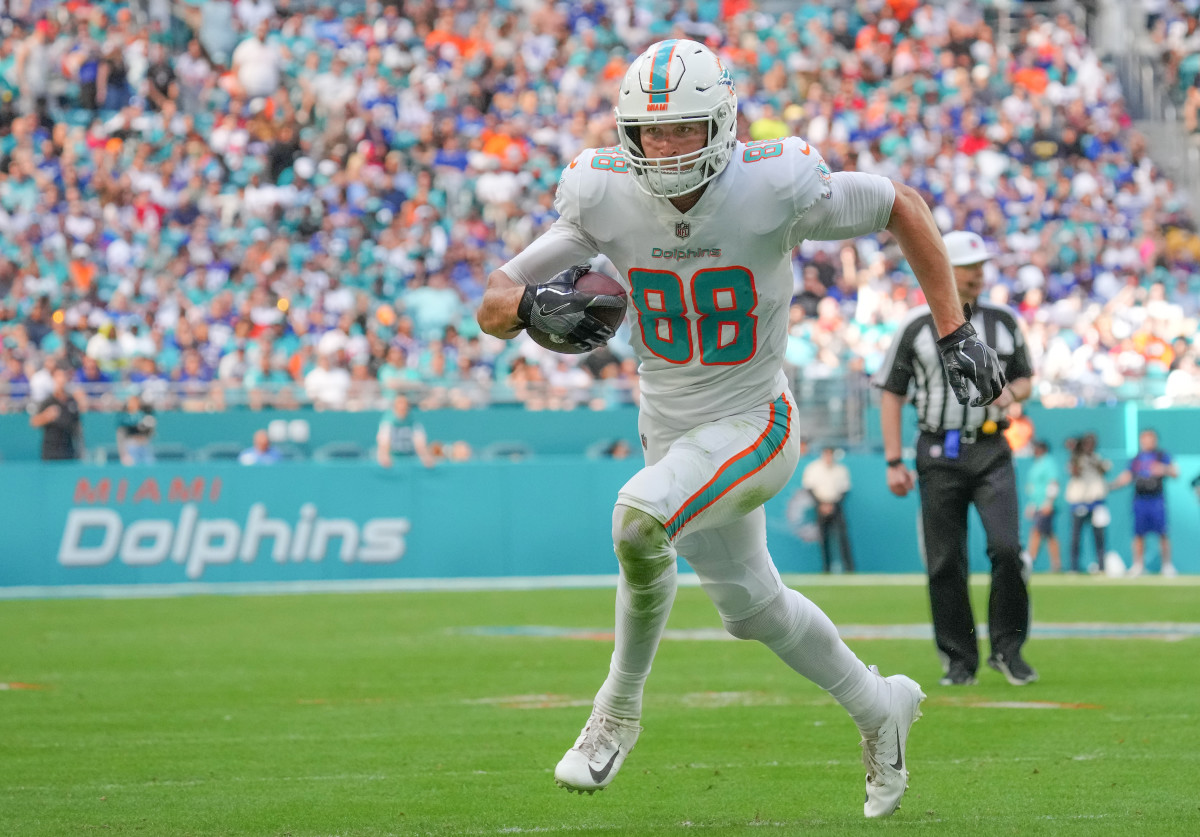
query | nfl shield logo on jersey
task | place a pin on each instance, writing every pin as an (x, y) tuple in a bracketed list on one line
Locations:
[(683, 229)]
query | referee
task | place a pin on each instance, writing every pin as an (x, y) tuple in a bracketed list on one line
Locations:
[(962, 458)]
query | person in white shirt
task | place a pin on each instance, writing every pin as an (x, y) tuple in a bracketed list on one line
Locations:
[(257, 63), (327, 385), (700, 228), (828, 481)]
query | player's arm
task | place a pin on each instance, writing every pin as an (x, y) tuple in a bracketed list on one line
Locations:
[(911, 222), (497, 312), (857, 204), (562, 245), (966, 359)]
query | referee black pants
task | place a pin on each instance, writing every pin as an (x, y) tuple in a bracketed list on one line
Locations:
[(982, 474)]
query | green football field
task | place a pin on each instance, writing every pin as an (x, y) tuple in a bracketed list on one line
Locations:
[(445, 713)]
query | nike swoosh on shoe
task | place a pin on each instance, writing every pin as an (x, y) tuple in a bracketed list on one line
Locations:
[(601, 775), (899, 765)]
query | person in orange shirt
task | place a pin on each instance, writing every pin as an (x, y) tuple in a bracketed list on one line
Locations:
[(82, 269), (1019, 432)]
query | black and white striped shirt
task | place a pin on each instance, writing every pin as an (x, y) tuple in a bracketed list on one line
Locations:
[(914, 364)]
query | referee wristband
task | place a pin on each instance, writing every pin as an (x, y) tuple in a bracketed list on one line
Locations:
[(892, 463)]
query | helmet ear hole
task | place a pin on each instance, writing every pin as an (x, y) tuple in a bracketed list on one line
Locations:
[(634, 134)]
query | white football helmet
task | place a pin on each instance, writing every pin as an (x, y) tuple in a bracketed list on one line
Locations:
[(677, 81)]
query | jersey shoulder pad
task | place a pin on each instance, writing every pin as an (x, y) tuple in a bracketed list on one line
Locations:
[(792, 166), (812, 178), (586, 178)]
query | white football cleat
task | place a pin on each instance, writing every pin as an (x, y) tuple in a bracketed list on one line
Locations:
[(598, 754), (883, 750)]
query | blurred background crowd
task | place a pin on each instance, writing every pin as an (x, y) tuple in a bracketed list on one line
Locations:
[(276, 204)]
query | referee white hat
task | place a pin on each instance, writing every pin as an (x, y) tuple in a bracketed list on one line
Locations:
[(965, 248)]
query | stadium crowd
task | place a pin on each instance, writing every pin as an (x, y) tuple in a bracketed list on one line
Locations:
[(1174, 34), (275, 203)]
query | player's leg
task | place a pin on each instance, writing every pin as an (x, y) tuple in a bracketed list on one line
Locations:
[(737, 573), (646, 587), (1008, 605), (682, 483)]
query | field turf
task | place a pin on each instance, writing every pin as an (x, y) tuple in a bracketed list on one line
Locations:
[(444, 714)]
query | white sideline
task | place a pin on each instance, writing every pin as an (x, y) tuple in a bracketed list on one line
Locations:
[(550, 582)]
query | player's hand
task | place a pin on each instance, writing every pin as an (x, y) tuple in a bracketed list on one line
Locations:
[(556, 307), (968, 360), (900, 480)]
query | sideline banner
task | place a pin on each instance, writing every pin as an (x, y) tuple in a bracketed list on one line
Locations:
[(70, 525), (163, 524)]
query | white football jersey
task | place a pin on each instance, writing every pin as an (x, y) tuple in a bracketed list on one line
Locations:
[(710, 289)]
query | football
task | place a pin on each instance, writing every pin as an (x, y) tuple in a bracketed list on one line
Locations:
[(592, 283)]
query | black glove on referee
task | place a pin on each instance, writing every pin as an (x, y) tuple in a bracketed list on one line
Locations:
[(967, 358)]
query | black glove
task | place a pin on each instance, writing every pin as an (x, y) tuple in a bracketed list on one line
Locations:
[(557, 308), (967, 358)]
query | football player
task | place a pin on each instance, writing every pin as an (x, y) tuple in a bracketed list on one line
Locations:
[(701, 228)]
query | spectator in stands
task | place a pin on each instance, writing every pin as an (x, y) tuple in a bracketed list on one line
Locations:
[(400, 434), (135, 431), (327, 384), (14, 383), (268, 385), (58, 416), (1148, 471), (261, 452), (368, 198)]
